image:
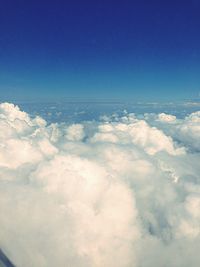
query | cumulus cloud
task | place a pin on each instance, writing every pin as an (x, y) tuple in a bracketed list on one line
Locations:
[(118, 192)]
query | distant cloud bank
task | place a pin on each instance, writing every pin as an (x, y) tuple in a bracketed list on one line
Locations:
[(118, 192)]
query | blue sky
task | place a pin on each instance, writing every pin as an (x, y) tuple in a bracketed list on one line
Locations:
[(127, 50)]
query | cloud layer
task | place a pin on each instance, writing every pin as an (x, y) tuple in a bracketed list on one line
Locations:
[(118, 192)]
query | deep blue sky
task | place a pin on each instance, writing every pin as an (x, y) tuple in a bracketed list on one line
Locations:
[(130, 50)]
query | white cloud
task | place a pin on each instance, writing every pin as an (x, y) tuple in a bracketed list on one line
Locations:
[(121, 192), (75, 132), (166, 117)]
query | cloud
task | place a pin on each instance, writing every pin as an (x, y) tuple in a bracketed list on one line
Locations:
[(121, 191)]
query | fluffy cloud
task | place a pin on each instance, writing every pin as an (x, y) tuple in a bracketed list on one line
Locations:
[(121, 192)]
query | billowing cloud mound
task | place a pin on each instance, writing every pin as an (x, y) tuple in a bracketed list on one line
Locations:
[(121, 192)]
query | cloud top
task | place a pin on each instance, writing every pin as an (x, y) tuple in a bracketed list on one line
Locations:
[(121, 192)]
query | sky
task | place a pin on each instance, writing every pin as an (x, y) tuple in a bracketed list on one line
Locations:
[(119, 50)]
